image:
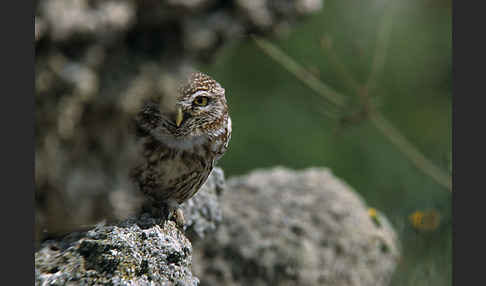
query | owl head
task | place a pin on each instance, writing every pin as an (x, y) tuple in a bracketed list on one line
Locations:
[(201, 107), (199, 110)]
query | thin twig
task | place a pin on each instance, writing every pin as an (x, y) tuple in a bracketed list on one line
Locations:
[(359, 89), (381, 123), (412, 153), (341, 69), (299, 72)]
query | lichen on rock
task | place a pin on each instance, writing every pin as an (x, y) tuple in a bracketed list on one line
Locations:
[(137, 251)]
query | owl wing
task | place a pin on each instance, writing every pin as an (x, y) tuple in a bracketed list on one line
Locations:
[(225, 143), (147, 119)]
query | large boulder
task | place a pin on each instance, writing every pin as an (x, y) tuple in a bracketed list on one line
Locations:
[(285, 227)]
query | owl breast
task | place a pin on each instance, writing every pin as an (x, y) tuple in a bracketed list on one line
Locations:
[(175, 169), (172, 174)]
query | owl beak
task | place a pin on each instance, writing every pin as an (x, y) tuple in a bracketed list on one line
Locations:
[(179, 116)]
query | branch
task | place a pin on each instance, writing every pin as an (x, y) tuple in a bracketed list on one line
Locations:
[(381, 123), (412, 153), (299, 72), (341, 69)]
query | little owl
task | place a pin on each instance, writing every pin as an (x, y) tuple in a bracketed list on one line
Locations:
[(180, 148)]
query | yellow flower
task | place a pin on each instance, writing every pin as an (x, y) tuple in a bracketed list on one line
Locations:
[(372, 212), (374, 216), (426, 220)]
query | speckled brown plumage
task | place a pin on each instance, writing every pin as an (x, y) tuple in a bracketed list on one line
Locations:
[(177, 159)]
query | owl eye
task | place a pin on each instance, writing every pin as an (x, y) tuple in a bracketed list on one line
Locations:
[(201, 101)]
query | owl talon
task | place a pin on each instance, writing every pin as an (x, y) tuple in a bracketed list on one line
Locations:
[(179, 218), (174, 213)]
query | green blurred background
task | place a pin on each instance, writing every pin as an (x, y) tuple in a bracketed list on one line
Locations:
[(276, 119)]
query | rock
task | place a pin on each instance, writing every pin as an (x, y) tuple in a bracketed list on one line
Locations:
[(135, 252), (284, 227), (95, 64)]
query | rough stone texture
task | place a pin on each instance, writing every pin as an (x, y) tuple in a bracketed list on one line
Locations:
[(95, 63), (284, 227), (136, 252)]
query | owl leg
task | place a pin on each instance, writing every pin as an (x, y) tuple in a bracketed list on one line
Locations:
[(175, 213), (179, 217)]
